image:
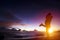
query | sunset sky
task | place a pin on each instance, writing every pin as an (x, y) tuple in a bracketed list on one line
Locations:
[(30, 13)]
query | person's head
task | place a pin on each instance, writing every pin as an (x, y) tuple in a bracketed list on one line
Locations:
[(49, 13)]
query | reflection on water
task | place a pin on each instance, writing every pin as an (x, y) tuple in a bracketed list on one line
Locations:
[(53, 36), (8, 34)]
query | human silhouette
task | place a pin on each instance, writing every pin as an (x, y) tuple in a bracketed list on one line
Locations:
[(47, 22)]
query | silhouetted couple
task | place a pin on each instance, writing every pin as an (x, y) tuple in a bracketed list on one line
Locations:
[(47, 22)]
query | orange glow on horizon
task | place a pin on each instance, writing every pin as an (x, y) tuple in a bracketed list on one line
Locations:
[(32, 28)]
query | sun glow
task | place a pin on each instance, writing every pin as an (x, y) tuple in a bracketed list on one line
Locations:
[(51, 30)]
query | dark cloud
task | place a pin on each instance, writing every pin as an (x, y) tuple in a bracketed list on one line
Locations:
[(7, 15), (6, 19)]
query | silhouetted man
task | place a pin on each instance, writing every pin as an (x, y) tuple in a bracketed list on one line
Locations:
[(47, 22)]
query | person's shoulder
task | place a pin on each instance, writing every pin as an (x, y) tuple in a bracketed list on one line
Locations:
[(51, 16)]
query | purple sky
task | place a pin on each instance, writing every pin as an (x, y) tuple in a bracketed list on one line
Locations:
[(30, 12)]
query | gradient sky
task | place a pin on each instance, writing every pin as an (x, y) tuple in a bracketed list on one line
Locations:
[(30, 12)]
